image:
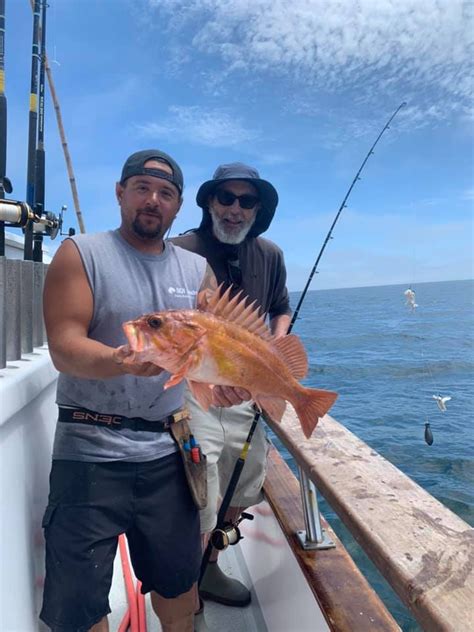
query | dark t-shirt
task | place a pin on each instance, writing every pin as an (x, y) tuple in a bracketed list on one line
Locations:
[(256, 265)]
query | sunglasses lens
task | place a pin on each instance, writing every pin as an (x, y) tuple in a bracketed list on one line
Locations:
[(226, 198), (247, 201)]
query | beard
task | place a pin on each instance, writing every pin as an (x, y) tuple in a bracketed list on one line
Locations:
[(225, 234), (144, 230)]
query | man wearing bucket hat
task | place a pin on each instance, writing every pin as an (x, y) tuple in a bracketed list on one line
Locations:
[(238, 206)]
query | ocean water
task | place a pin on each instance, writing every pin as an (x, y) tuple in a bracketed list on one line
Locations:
[(386, 362)]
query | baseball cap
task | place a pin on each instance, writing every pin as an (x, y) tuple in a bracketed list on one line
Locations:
[(134, 166)]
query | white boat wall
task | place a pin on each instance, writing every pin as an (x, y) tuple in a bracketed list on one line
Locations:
[(422, 548)]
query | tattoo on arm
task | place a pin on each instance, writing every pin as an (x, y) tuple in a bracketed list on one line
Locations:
[(208, 287)]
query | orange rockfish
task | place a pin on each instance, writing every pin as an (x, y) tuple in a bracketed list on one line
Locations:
[(229, 344)]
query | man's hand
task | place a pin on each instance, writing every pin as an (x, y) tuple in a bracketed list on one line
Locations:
[(126, 359), (226, 396)]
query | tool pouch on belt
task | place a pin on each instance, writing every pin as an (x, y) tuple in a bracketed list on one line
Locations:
[(196, 472)]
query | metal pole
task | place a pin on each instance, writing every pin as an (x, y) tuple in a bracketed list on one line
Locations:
[(3, 187)]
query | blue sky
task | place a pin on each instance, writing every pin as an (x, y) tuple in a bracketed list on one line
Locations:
[(300, 90)]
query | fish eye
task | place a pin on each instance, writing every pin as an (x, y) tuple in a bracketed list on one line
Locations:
[(154, 322)]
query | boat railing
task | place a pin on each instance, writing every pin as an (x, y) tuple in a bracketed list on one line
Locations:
[(423, 549), (21, 308)]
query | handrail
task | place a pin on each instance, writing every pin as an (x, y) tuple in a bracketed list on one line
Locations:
[(422, 549)]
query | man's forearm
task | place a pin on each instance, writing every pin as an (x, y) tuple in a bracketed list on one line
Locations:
[(279, 325), (85, 358)]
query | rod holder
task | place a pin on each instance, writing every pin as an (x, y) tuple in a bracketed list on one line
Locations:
[(13, 304), (314, 537), (38, 283)]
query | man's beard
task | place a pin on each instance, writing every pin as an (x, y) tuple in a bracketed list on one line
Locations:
[(146, 232), (222, 232)]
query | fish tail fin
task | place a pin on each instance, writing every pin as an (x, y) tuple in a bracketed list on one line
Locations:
[(312, 404)]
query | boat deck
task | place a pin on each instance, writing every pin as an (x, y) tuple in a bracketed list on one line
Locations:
[(218, 617)]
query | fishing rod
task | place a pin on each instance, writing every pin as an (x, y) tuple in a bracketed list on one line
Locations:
[(32, 130), (225, 533), (64, 144), (5, 184), (30, 215), (39, 154)]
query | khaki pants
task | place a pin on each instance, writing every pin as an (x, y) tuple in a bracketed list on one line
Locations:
[(221, 433)]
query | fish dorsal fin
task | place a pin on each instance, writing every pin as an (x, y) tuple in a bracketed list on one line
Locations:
[(237, 310), (293, 353)]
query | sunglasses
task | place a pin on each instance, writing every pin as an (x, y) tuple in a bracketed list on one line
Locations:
[(227, 198)]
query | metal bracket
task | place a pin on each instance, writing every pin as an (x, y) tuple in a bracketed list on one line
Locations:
[(308, 545)]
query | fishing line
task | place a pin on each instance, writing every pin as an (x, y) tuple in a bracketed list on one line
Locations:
[(427, 373), (221, 524)]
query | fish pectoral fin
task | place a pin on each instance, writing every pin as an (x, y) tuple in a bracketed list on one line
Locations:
[(180, 373), (274, 407), (291, 350), (174, 380), (202, 393)]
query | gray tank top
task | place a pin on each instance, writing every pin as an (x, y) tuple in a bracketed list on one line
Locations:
[(125, 283)]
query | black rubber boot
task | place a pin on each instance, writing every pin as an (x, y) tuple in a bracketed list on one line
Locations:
[(216, 586)]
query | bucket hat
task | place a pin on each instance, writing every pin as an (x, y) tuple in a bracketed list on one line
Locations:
[(239, 171)]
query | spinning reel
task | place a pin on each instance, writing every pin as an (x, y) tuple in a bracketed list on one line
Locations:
[(229, 534)]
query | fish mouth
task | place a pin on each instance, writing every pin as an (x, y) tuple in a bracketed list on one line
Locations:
[(137, 340)]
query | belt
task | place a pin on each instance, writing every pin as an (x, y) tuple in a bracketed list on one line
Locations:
[(117, 422)]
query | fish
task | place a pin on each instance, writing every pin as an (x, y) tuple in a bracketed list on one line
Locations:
[(228, 343)]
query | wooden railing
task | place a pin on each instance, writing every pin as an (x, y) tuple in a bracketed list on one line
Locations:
[(423, 549)]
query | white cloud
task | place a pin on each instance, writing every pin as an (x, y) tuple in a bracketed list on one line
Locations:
[(374, 48), (211, 127)]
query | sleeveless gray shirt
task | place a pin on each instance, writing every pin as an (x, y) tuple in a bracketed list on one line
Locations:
[(125, 284)]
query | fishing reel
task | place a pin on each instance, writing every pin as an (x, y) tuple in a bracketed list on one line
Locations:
[(229, 534), (17, 215)]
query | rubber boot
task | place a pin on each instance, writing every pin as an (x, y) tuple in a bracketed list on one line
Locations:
[(216, 586)]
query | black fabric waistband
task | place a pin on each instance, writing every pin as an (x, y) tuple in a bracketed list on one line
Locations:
[(117, 422)]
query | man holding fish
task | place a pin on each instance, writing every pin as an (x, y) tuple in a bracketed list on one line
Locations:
[(238, 206), (116, 468)]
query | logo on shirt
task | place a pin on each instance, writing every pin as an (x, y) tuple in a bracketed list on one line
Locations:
[(181, 292)]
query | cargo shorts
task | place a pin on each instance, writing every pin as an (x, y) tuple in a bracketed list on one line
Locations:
[(221, 433), (89, 506)]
